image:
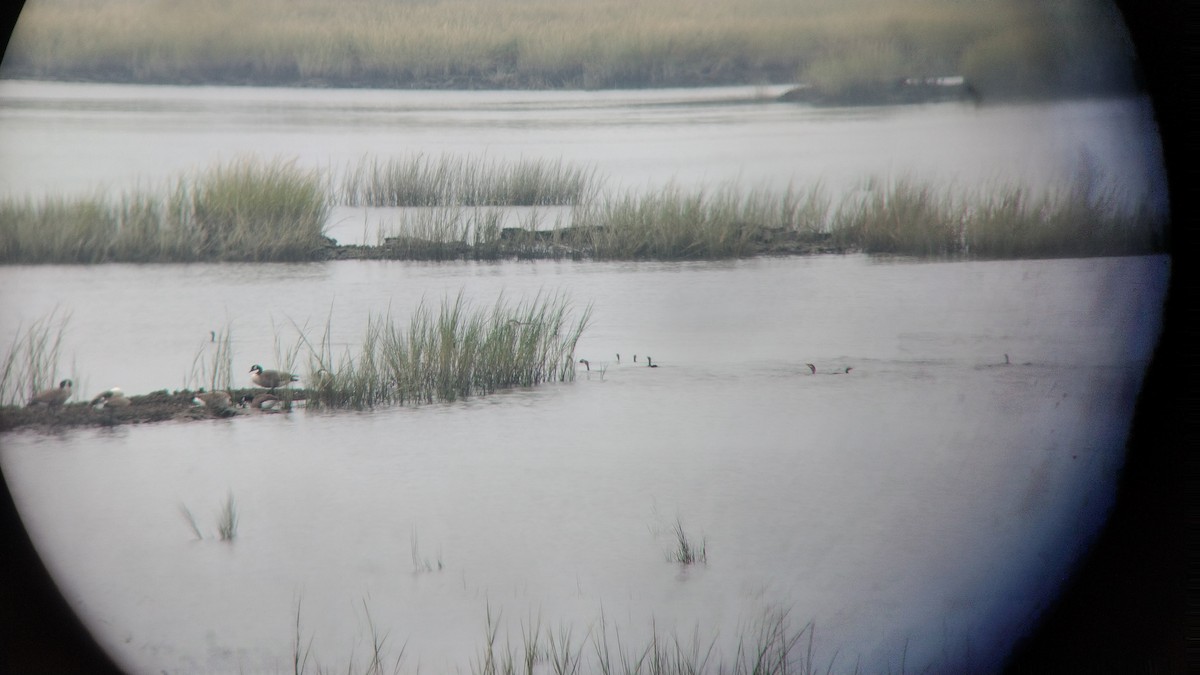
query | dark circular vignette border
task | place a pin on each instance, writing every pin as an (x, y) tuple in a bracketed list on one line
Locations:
[(1128, 609), (1132, 605)]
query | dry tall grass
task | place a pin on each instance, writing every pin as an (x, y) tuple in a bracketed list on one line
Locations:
[(1007, 46), (246, 210)]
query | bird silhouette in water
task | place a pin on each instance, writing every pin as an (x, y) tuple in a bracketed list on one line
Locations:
[(651, 363), (586, 364), (812, 370)]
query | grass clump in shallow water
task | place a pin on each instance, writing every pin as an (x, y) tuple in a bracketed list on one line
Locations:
[(247, 210), (454, 352), (912, 218), (466, 181), (674, 223), (31, 362)]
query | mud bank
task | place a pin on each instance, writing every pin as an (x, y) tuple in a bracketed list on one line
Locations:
[(157, 406)]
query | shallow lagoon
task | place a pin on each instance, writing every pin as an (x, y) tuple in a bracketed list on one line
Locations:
[(922, 507), (931, 496)]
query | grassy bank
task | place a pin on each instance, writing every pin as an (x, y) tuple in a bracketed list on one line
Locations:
[(273, 211), (1007, 47)]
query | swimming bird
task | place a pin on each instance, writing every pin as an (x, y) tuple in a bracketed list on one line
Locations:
[(812, 370), (651, 363), (271, 379), (53, 397), (110, 399), (586, 364)]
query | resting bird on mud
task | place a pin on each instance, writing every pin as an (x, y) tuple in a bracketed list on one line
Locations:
[(219, 402), (271, 379), (53, 397), (263, 401), (111, 399)]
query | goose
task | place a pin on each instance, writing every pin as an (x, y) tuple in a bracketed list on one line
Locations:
[(217, 401), (271, 379), (264, 401), (110, 399), (323, 379), (53, 397), (651, 363)]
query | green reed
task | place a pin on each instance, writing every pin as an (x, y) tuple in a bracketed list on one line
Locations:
[(448, 180), (450, 352)]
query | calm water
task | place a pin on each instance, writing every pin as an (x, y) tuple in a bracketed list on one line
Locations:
[(930, 498)]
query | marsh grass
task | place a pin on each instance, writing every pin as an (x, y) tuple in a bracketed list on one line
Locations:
[(687, 551), (212, 365), (252, 210), (31, 362), (771, 645), (450, 352), (246, 210), (675, 223), (379, 661), (1087, 218), (420, 563), (449, 180), (227, 520), (191, 521), (1009, 48)]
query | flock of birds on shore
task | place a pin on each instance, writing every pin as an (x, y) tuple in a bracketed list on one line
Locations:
[(220, 402)]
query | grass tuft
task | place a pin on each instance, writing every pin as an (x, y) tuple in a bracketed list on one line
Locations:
[(248, 210), (686, 551), (31, 363), (227, 520), (453, 352), (465, 181)]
